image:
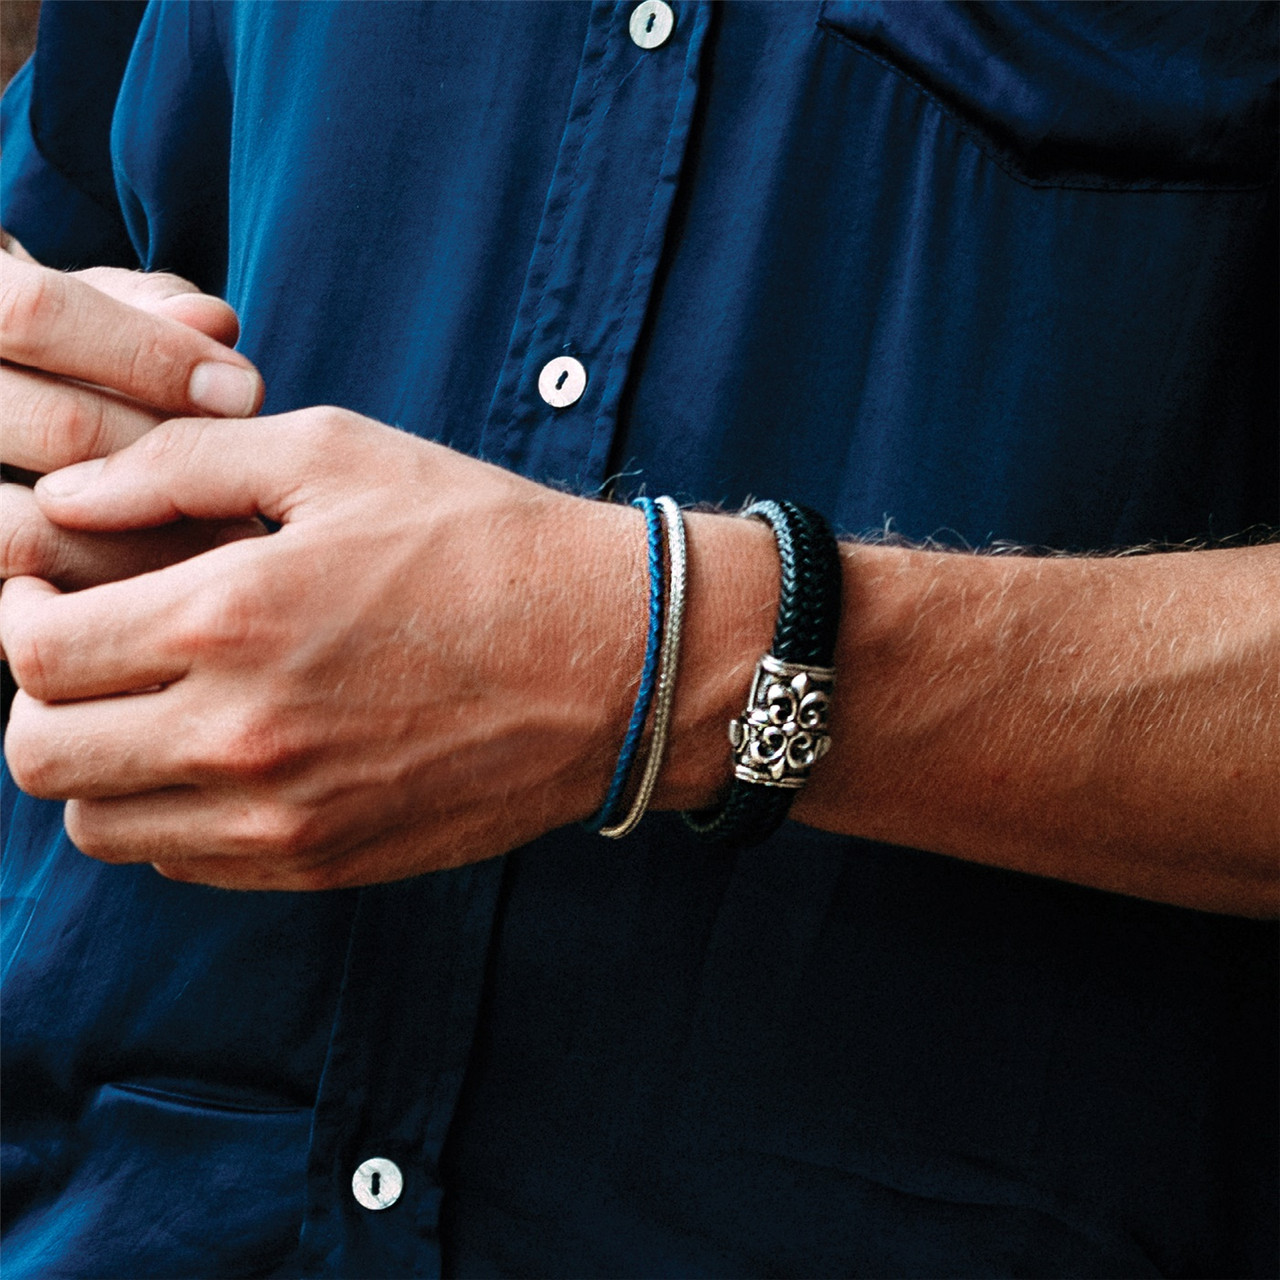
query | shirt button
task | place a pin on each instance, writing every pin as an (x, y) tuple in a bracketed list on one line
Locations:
[(562, 381), (377, 1183), (652, 23)]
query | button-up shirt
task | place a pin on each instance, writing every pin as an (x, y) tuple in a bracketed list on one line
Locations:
[(971, 273)]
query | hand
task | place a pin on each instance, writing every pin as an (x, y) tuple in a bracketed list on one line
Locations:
[(92, 361), (431, 662)]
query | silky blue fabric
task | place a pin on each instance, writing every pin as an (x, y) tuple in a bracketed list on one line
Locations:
[(972, 273)]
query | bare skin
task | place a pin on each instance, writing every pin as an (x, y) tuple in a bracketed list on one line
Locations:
[(406, 677), (74, 386), (1113, 721)]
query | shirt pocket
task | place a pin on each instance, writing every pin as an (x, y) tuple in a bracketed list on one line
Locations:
[(156, 1180), (1146, 95)]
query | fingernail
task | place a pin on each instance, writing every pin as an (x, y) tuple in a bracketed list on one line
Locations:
[(62, 484), (224, 389)]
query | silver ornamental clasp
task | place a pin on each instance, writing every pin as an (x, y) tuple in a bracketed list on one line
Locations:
[(783, 731)]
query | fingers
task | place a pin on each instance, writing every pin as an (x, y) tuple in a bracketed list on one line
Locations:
[(90, 644), (198, 835), (31, 546), (63, 325), (105, 761), (160, 777), (167, 295), (209, 470), (50, 422), (173, 824), (213, 838), (210, 315)]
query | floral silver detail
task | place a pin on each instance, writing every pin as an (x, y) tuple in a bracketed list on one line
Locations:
[(783, 731)]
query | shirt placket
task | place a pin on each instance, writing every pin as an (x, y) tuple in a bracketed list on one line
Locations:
[(591, 278), (411, 992), (406, 1018)]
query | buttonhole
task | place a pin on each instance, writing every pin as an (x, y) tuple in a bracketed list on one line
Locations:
[(375, 1182), (561, 378), (648, 26)]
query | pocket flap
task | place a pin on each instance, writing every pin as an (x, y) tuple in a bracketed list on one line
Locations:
[(1153, 94)]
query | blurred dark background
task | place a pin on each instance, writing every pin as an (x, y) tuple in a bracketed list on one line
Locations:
[(17, 34)]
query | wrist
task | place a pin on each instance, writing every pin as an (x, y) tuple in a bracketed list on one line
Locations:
[(597, 651), (730, 612)]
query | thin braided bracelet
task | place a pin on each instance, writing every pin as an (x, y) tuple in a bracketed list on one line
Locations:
[(608, 813), (668, 665), (783, 731)]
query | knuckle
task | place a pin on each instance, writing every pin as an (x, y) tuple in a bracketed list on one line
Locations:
[(332, 420), (253, 747), (325, 431), (69, 427), (31, 298), (24, 536), (149, 364), (276, 830), (80, 832), (90, 836), (170, 445), (30, 763), (224, 617), (28, 661)]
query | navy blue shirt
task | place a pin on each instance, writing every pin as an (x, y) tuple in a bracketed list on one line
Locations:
[(971, 273)]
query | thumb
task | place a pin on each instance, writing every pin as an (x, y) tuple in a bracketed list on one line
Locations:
[(209, 469)]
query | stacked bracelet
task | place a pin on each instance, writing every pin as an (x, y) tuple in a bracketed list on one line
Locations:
[(783, 730), (668, 665), (611, 810)]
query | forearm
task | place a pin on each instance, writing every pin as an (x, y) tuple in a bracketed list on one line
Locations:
[(1109, 721)]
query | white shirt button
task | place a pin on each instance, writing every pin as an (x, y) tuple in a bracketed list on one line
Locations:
[(562, 381), (377, 1183), (652, 23)]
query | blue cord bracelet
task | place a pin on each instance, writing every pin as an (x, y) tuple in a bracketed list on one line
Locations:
[(609, 812)]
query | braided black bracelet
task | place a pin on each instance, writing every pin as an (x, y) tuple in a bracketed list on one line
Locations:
[(783, 730)]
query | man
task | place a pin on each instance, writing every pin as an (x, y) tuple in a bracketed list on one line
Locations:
[(993, 275)]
